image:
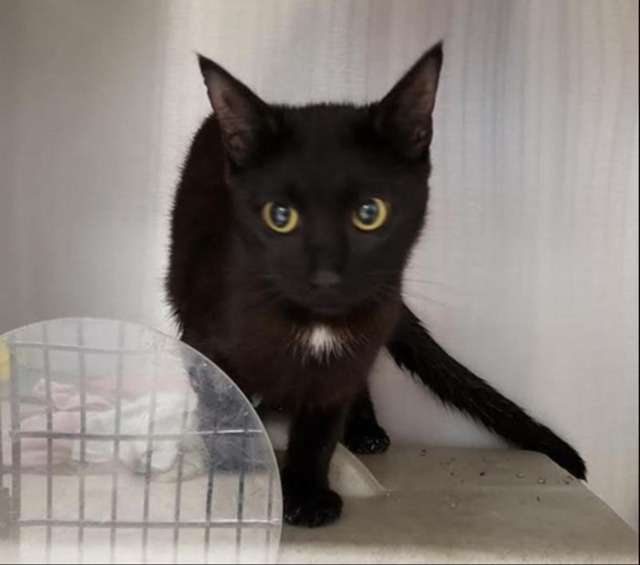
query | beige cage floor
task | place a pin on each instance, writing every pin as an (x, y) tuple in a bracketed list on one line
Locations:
[(446, 505)]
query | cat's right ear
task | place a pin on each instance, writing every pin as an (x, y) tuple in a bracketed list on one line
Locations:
[(247, 123)]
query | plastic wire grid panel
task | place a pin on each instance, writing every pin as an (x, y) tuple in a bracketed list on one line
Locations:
[(108, 454)]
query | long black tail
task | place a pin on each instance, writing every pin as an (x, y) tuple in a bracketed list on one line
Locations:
[(414, 349)]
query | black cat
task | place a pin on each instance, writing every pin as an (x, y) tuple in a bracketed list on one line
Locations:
[(290, 233)]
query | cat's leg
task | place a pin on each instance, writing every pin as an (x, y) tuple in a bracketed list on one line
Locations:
[(363, 434), (308, 500)]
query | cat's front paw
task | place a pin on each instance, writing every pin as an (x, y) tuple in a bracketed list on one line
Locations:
[(312, 509), (366, 439)]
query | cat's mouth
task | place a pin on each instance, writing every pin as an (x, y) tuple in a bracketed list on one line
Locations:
[(332, 304), (330, 310), (326, 307), (320, 307)]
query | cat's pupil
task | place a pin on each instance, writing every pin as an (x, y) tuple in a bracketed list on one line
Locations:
[(368, 212), (280, 214)]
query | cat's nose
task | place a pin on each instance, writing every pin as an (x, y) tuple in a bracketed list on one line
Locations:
[(325, 279)]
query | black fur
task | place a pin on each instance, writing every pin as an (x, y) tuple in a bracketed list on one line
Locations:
[(363, 434), (414, 349)]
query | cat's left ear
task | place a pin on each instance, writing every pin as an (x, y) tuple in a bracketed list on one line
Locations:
[(403, 116), (247, 123)]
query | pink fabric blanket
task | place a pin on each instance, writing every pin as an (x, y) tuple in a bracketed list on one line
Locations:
[(66, 404)]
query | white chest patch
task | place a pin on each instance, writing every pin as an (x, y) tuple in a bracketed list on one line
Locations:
[(322, 342)]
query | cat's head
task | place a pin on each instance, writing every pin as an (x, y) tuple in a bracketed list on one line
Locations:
[(329, 198)]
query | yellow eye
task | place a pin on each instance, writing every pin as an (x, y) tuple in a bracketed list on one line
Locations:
[(281, 218), (370, 214)]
